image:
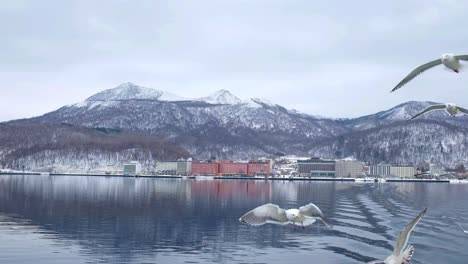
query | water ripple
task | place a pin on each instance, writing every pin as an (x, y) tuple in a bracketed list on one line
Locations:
[(75, 220)]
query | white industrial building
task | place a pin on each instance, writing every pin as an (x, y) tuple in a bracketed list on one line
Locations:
[(166, 167), (380, 170), (132, 168), (349, 168), (184, 167), (180, 167), (402, 171)]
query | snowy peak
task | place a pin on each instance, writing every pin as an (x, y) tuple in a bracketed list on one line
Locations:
[(400, 112), (222, 97), (130, 91), (403, 111)]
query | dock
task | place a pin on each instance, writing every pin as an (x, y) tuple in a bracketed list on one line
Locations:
[(319, 179)]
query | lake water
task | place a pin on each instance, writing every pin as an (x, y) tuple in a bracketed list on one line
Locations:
[(46, 219)]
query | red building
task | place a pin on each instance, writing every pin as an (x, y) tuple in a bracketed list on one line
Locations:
[(259, 167), (225, 161), (229, 167), (232, 168), (205, 168)]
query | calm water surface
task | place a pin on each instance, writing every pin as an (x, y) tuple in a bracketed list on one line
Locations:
[(45, 219)]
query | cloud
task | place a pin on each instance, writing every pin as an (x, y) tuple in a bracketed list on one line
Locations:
[(333, 58)]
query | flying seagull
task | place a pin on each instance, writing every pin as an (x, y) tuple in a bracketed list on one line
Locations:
[(402, 253), (273, 214), (451, 108), (464, 231), (450, 61)]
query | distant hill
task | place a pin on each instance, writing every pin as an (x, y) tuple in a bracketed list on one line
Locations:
[(69, 148), (403, 112), (225, 126), (400, 142), (219, 125)]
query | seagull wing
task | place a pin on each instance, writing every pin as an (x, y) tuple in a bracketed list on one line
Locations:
[(430, 108), (402, 239), (408, 253), (312, 211), (416, 72), (463, 110), (267, 213), (464, 231), (462, 57)]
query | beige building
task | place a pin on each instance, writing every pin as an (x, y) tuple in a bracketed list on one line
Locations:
[(380, 170), (132, 168), (402, 171), (184, 167), (166, 167), (349, 168), (180, 167)]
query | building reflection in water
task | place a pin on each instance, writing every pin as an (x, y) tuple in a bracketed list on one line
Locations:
[(121, 220)]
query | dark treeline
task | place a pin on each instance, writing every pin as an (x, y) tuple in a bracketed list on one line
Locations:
[(41, 140)]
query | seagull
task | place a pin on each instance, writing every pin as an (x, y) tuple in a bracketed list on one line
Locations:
[(450, 61), (451, 108), (402, 254), (273, 214), (464, 231)]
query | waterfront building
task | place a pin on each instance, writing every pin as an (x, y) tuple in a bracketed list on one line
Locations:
[(224, 161), (366, 170), (205, 168), (349, 168), (437, 170), (166, 167), (380, 170), (285, 166), (232, 168), (316, 167), (260, 167), (180, 167), (293, 158), (402, 171), (132, 168), (184, 167)]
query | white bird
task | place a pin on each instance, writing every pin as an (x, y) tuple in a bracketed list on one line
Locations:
[(273, 214), (401, 253), (451, 108), (464, 231), (450, 61)]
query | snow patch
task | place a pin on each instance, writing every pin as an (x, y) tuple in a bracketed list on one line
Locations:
[(221, 97), (130, 91)]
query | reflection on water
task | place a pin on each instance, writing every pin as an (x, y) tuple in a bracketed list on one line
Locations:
[(45, 219)]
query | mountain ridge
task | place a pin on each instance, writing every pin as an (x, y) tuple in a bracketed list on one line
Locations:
[(225, 126)]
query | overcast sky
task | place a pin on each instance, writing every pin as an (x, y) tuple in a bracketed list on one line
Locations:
[(332, 58)]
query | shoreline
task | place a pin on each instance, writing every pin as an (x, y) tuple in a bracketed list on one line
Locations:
[(357, 180)]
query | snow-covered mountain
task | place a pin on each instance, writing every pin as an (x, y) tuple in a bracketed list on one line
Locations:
[(401, 142), (402, 112), (213, 125), (130, 91), (221, 97), (226, 126)]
